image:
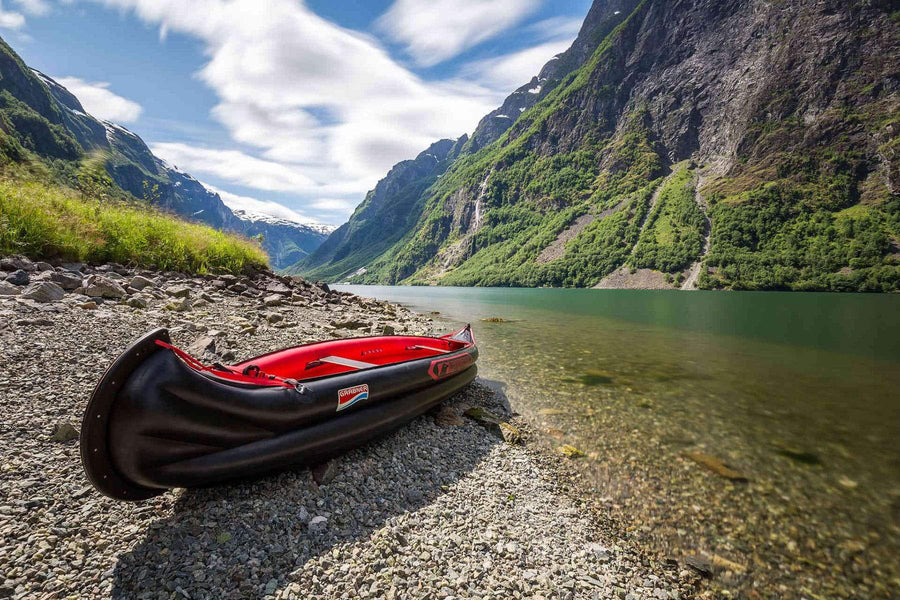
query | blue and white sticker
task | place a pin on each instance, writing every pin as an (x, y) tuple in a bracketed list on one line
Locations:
[(349, 396)]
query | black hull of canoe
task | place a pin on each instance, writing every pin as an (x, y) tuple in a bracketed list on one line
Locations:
[(155, 423)]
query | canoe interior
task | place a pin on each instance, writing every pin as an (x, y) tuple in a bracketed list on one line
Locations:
[(322, 359)]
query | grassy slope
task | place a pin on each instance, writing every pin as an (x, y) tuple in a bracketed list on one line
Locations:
[(44, 219)]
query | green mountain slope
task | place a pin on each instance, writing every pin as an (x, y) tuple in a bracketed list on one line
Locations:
[(729, 144), (40, 116)]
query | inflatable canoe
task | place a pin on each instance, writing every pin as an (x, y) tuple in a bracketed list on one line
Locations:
[(160, 419)]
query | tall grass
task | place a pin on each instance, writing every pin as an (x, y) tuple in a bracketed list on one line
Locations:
[(50, 221)]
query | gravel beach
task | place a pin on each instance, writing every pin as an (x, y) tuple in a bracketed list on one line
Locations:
[(443, 508)]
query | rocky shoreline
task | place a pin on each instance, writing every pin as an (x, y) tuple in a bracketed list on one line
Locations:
[(443, 508)]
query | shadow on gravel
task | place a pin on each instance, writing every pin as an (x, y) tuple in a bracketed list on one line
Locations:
[(243, 541)]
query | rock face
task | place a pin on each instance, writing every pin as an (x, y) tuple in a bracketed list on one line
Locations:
[(713, 142), (384, 216), (52, 122)]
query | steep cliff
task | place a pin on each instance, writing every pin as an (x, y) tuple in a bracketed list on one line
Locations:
[(388, 213), (747, 144)]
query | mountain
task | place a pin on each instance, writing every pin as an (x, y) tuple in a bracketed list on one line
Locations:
[(387, 212), (727, 144), (286, 242), (41, 116)]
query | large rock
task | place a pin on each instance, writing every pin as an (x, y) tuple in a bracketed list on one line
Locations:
[(19, 277), (74, 267), (139, 282), (67, 281), (64, 432), (273, 300), (180, 305), (272, 317), (15, 263), (204, 346), (180, 291), (98, 286), (137, 302), (43, 291), (276, 287), (8, 289)]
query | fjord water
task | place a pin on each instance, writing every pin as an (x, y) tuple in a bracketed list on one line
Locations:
[(797, 392)]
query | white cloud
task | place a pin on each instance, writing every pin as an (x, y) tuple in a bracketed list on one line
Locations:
[(11, 19), (253, 205), (234, 166), (514, 70), (337, 205), (557, 28), (275, 66), (99, 101), (321, 111), (436, 30), (34, 7)]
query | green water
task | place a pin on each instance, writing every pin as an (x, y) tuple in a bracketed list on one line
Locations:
[(800, 393)]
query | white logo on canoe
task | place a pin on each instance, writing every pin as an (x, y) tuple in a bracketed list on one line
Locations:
[(351, 395)]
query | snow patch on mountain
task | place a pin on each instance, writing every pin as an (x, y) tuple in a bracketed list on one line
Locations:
[(258, 217)]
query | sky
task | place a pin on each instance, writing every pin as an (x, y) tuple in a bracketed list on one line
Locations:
[(287, 107)]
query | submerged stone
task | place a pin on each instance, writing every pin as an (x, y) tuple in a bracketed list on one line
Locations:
[(715, 465)]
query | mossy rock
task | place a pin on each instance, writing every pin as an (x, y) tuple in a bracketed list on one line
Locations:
[(483, 416), (510, 433), (570, 451)]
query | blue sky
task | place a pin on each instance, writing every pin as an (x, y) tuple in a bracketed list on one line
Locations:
[(287, 107)]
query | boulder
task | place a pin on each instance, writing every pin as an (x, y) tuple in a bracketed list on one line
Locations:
[(43, 291), (98, 286), (570, 451), (139, 282), (179, 305), (137, 302), (43, 266), (67, 281), (64, 432), (16, 263), (74, 267), (483, 416), (273, 300), (511, 434), (276, 287), (8, 289), (203, 346), (179, 291), (18, 277), (323, 286)]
